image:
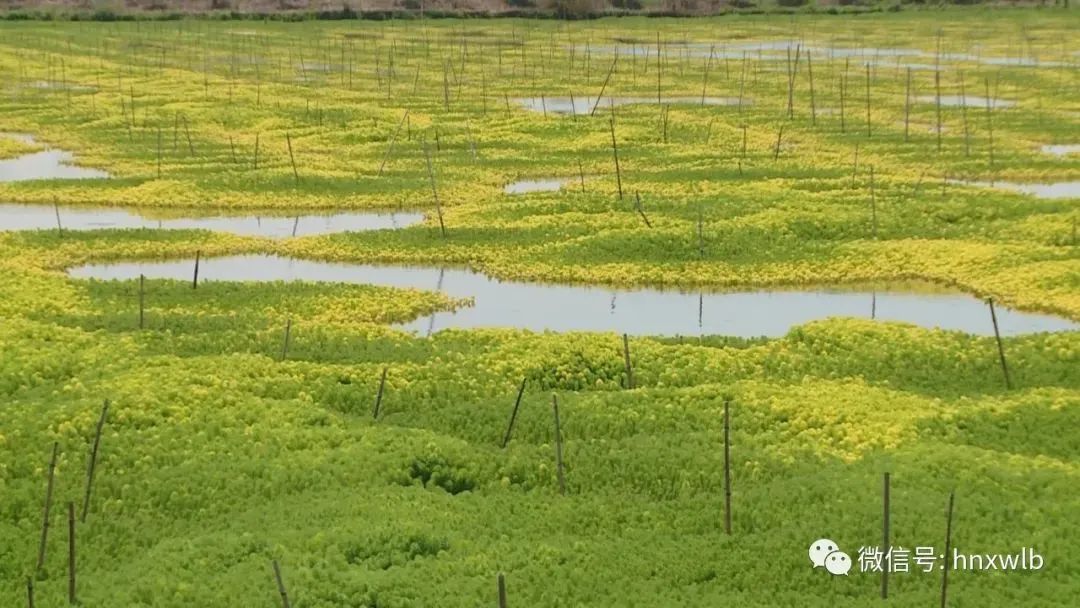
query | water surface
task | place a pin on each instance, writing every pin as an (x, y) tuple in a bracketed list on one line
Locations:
[(584, 105), (540, 307), (44, 217), (971, 101), (542, 184), (1052, 190)]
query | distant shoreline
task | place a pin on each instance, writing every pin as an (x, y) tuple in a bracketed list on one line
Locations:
[(256, 10)]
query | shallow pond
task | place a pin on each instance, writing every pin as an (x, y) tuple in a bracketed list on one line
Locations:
[(46, 164), (584, 105), (1061, 149), (539, 307), (1054, 190), (44, 217), (543, 184), (49, 163), (971, 101)]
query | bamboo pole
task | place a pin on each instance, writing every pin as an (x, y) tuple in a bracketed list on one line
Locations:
[(93, 459), (873, 203), (142, 301), (1000, 346), (626, 362), (390, 146), (948, 550), (813, 103), (907, 106), (886, 546), (641, 209), (195, 276), (558, 445), (48, 508), (604, 86), (71, 552), (727, 466), (615, 153), (292, 159), (285, 342), (379, 394), (434, 190), (280, 585), (513, 413)]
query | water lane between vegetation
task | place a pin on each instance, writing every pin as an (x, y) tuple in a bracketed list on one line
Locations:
[(540, 307)]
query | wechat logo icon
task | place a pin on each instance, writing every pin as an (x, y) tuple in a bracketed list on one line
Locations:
[(825, 553)]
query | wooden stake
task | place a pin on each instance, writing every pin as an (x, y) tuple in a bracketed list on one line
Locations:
[(948, 550), (1000, 347), (626, 362), (513, 414), (159, 153), (581, 175), (558, 445), (255, 165), (280, 585), (93, 459), (886, 547), (727, 466), (285, 344), (71, 552), (48, 507), (30, 592), (195, 276), (615, 153), (434, 190), (779, 136), (379, 394)]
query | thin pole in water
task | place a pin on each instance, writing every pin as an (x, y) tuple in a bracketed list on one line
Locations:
[(195, 276)]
